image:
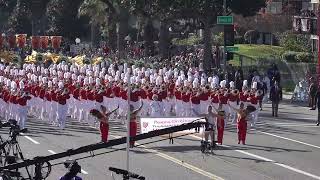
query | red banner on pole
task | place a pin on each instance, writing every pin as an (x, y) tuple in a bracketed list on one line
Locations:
[(44, 41), (12, 41), (56, 42), (21, 40), (35, 42), (1, 41)]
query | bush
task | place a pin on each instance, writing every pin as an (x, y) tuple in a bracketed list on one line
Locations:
[(289, 56), (192, 40), (295, 42), (251, 36), (304, 57), (217, 39), (292, 56)]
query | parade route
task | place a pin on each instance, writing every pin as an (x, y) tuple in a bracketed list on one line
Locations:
[(282, 148)]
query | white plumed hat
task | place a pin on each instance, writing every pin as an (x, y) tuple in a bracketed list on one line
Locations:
[(231, 84), (254, 85), (245, 83)]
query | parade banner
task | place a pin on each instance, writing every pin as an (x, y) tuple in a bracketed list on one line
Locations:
[(148, 124), (1, 41), (12, 41), (56, 42), (21, 40), (44, 42), (35, 42)]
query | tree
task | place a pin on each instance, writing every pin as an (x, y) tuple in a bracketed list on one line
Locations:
[(147, 11), (63, 19), (208, 10), (6, 8), (38, 18), (20, 18), (97, 11)]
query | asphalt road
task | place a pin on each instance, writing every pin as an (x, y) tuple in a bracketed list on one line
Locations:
[(287, 147)]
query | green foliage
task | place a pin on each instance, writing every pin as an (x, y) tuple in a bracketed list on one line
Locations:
[(63, 18), (292, 56), (192, 40), (304, 57), (20, 18), (295, 42), (218, 39), (246, 7)]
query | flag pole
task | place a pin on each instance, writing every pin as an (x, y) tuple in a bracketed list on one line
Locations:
[(128, 123)]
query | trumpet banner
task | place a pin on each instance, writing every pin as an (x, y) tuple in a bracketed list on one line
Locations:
[(1, 41), (35, 42), (56, 42), (21, 40), (12, 41), (44, 41)]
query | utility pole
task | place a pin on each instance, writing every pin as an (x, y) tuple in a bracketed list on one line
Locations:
[(224, 44), (317, 10), (128, 124)]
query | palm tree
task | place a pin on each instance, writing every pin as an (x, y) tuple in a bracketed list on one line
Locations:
[(109, 13), (96, 10)]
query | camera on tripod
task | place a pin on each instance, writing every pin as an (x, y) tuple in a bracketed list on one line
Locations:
[(14, 128)]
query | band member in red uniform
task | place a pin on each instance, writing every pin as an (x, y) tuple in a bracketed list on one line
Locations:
[(233, 99), (22, 99), (103, 117), (62, 95), (133, 122), (220, 122), (241, 123), (253, 100)]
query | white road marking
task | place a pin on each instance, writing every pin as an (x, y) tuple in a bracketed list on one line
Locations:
[(30, 139), (271, 161), (82, 171), (281, 137), (180, 162), (52, 152)]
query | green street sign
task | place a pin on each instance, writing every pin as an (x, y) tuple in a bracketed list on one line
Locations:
[(232, 49), (225, 20)]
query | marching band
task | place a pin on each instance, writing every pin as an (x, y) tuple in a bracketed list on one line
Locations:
[(51, 94)]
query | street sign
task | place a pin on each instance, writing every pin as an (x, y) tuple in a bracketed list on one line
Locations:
[(225, 20), (232, 49)]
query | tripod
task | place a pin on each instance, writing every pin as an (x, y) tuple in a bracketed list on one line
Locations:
[(12, 152)]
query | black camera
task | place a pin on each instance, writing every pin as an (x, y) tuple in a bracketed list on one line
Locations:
[(14, 128)]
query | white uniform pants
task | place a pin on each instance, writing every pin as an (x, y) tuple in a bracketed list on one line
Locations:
[(62, 115)]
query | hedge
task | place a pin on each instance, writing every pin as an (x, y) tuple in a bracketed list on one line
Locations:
[(292, 56)]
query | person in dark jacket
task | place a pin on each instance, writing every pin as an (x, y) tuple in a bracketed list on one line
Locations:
[(275, 98)]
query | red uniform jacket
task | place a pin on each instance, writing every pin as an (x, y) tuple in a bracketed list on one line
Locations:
[(185, 97), (195, 99)]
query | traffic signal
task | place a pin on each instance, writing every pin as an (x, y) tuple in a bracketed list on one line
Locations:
[(228, 35), (229, 56)]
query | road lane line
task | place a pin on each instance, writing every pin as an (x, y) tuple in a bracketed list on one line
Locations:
[(52, 152), (270, 160), (30, 139), (82, 171), (182, 163), (281, 137), (179, 162)]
